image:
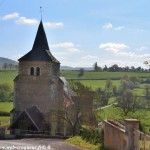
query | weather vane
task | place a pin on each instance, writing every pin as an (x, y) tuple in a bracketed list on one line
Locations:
[(41, 12)]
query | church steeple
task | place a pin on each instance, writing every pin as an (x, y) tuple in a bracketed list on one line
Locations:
[(40, 50), (40, 39)]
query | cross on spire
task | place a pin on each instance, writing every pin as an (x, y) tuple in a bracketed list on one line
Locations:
[(41, 12)]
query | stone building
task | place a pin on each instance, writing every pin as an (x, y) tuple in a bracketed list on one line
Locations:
[(39, 90)]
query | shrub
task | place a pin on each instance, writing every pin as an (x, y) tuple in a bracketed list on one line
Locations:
[(91, 135)]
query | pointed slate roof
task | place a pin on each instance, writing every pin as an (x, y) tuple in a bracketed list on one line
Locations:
[(35, 116), (40, 50)]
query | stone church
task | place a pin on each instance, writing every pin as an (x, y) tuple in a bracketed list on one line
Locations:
[(39, 90)]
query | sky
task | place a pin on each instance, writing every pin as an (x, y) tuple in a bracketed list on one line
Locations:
[(79, 32)]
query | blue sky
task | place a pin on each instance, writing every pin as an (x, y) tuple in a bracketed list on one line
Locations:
[(79, 33)]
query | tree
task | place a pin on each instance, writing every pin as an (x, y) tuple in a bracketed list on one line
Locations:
[(96, 67), (105, 68), (128, 102), (81, 72), (81, 110), (147, 94), (101, 97), (6, 93), (114, 68), (5, 66)]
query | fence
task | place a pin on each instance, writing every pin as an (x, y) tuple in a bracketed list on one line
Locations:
[(144, 141)]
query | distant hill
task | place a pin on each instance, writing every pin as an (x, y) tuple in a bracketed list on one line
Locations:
[(7, 61)]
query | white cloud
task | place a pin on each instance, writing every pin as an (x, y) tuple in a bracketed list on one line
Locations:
[(26, 21), (53, 24), (109, 26), (113, 47), (119, 49), (65, 49), (89, 57), (11, 16), (142, 48), (119, 28), (72, 50)]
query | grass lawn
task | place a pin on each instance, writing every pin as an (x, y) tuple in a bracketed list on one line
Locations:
[(94, 84), (6, 106), (7, 76), (77, 140), (97, 75)]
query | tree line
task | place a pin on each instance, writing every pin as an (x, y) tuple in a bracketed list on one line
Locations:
[(116, 68), (10, 66)]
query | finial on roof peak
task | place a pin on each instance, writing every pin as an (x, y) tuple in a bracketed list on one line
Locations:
[(41, 12)]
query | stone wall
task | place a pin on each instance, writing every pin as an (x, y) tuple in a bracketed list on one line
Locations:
[(117, 137)]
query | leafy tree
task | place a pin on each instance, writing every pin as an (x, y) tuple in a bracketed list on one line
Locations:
[(6, 93), (105, 68), (96, 67), (128, 102), (5, 66), (81, 72), (81, 112), (114, 90), (147, 94)]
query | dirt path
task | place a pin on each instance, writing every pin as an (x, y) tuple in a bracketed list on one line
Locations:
[(36, 144)]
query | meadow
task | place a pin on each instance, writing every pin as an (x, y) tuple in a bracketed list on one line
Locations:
[(94, 80)]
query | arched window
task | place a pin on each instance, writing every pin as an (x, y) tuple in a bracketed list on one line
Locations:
[(37, 71), (32, 71)]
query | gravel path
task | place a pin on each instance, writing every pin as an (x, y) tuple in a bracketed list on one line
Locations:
[(36, 144)]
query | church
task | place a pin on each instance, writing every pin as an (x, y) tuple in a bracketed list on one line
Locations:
[(39, 91)]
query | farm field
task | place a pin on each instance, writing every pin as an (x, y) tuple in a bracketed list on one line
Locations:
[(89, 78), (101, 75), (92, 79)]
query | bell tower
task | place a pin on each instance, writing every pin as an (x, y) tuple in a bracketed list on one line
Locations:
[(38, 82)]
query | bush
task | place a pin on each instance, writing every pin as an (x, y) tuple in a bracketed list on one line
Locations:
[(93, 136), (2, 113), (6, 93)]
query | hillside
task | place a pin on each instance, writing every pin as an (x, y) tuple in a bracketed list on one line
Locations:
[(7, 61)]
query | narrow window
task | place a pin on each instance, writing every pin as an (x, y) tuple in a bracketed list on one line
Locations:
[(37, 71), (32, 71)]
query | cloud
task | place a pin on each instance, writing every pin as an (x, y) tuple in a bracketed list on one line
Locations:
[(142, 48), (26, 21), (109, 26), (53, 24), (21, 20), (89, 57), (119, 28), (113, 47), (65, 49), (11, 16), (119, 50)]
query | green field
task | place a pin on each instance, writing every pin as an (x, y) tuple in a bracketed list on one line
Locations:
[(7, 76), (94, 84), (94, 80), (101, 75), (6, 106)]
